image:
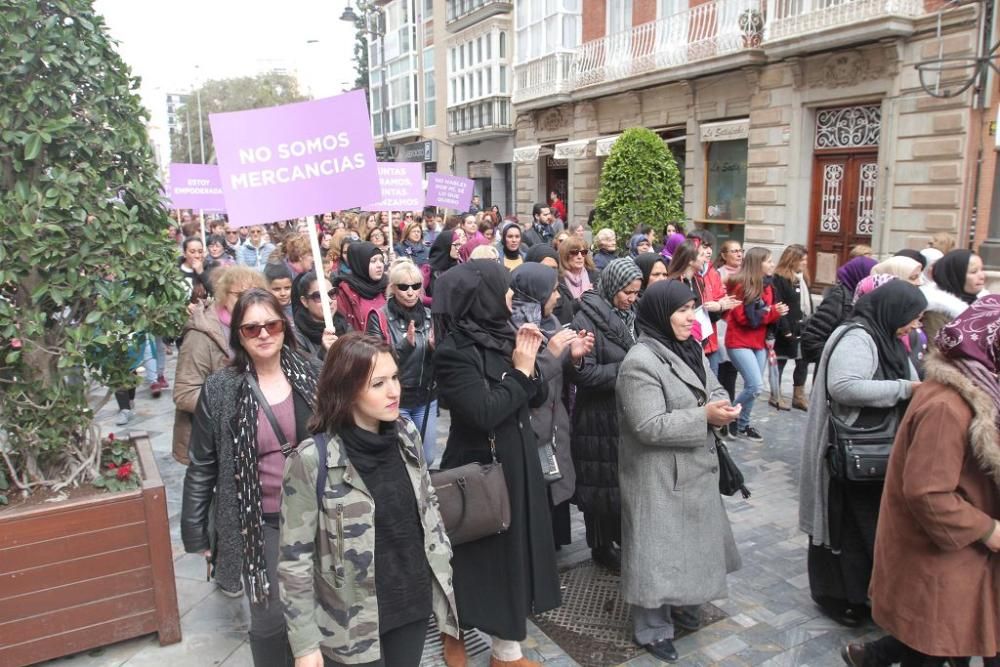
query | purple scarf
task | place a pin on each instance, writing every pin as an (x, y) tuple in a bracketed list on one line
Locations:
[(972, 342), (854, 271), (670, 247)]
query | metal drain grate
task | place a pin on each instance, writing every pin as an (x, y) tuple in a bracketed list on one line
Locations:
[(476, 643), (593, 624)]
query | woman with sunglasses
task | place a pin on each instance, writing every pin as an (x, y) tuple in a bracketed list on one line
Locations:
[(310, 331), (576, 268), (405, 324), (249, 417)]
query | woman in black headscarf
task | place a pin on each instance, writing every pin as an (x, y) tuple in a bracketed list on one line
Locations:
[(864, 372), (363, 289), (668, 400), (546, 255), (958, 279), (653, 267), (444, 254), (488, 379)]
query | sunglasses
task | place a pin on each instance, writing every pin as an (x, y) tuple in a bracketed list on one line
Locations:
[(274, 327), (317, 297), (584, 252), (406, 287)]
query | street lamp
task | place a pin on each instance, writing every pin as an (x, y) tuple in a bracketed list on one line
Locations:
[(201, 129), (375, 27)]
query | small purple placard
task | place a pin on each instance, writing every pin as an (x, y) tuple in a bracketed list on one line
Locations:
[(296, 159), (196, 186), (446, 191), (402, 185)]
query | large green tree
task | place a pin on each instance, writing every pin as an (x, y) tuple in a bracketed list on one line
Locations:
[(361, 54), (218, 95), (640, 183), (85, 261)]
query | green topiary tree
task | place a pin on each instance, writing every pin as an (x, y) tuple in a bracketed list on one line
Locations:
[(640, 183), (84, 257)]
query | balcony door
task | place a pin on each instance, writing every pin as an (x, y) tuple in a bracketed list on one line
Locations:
[(671, 32), (618, 56)]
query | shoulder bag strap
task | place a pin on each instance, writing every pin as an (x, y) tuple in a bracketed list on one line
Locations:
[(286, 446), (321, 442)]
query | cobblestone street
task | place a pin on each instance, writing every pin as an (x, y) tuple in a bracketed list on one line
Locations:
[(770, 620)]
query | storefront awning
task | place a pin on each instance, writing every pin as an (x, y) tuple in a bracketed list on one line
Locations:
[(572, 149), (526, 153), (604, 145)]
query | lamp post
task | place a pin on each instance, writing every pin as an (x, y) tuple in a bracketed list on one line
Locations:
[(375, 26), (201, 128)]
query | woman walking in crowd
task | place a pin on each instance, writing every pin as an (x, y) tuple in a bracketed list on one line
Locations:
[(377, 238), (487, 376), (940, 507), (653, 268), (192, 266), (864, 373), (512, 253), (363, 289), (546, 255), (607, 248), (959, 279), (836, 307), (444, 255), (535, 295), (373, 605), (608, 311), (791, 287), (250, 416), (746, 330), (412, 247), (405, 324), (668, 404), (308, 322), (727, 264), (576, 268)]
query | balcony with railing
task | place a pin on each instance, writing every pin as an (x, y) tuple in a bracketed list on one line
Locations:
[(464, 13), (481, 119), (547, 77), (802, 25)]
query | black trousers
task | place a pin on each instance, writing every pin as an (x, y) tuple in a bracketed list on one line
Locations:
[(401, 647), (602, 529), (889, 650), (268, 633), (124, 398), (727, 378), (800, 373)]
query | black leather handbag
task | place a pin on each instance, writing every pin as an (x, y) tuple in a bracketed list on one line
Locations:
[(858, 453), (730, 478)]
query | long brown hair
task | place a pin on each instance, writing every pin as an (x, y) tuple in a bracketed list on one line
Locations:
[(349, 365), (686, 253), (788, 265), (569, 245), (750, 277), (252, 297)]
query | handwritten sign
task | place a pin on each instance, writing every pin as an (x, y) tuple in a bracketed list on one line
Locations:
[(449, 191), (402, 187)]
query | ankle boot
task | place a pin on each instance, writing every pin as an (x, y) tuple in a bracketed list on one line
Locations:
[(778, 404), (454, 651), (271, 651), (799, 400)]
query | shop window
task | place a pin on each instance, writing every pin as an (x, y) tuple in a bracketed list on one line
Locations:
[(726, 192)]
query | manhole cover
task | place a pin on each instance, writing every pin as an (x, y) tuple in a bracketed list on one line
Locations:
[(433, 656), (593, 624)]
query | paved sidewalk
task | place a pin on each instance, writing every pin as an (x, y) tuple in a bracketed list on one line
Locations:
[(771, 620)]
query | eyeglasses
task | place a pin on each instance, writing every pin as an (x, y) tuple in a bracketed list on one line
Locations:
[(316, 296), (736, 251), (405, 287), (582, 251), (274, 327)]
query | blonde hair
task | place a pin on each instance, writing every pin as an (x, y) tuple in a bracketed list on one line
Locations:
[(484, 252), (336, 240), (402, 268), (294, 247), (943, 241), (860, 251), (225, 278)]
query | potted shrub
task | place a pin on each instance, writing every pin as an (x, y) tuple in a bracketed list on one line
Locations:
[(85, 264), (752, 26)]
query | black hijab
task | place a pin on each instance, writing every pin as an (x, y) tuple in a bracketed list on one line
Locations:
[(882, 312), (914, 255), (440, 257), (949, 273), (472, 299), (533, 284), (507, 252), (359, 256), (645, 262), (540, 251), (657, 304)]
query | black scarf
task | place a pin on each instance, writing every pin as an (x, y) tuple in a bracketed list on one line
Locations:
[(367, 450), (472, 299), (544, 231), (359, 256), (881, 313), (416, 314), (302, 376), (533, 285), (661, 300), (440, 255), (646, 261), (949, 274), (507, 252), (540, 251), (309, 326)]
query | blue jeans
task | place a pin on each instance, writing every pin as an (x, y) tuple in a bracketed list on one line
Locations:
[(714, 360), (416, 415), (750, 364)]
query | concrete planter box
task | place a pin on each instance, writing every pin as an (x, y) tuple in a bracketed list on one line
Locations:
[(85, 573)]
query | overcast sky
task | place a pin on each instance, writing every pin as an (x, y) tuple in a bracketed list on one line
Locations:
[(172, 44)]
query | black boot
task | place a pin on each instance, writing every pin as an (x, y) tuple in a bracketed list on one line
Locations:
[(608, 556), (272, 651)]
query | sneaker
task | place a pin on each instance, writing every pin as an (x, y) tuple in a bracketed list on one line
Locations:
[(124, 417), (750, 433), (156, 388)]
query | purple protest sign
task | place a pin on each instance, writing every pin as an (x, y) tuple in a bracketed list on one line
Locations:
[(196, 186), (449, 191), (402, 187), (297, 159)]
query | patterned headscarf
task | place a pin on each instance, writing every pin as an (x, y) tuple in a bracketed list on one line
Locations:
[(971, 342), (614, 278)]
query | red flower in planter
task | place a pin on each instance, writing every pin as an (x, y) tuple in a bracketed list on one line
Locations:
[(125, 470)]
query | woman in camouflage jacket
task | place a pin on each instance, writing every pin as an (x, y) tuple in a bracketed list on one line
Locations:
[(358, 585)]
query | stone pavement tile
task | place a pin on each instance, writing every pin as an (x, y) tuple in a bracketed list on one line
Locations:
[(112, 655), (200, 648), (241, 657), (217, 613), (724, 648), (190, 566), (190, 593)]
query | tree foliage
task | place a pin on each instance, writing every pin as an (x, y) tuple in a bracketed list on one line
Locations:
[(84, 256), (247, 92), (361, 55), (640, 184)]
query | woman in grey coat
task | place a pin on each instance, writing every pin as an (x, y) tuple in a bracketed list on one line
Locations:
[(864, 371), (677, 544)]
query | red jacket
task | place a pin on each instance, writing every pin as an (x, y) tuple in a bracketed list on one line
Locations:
[(558, 208), (739, 332), (354, 308), (712, 290)]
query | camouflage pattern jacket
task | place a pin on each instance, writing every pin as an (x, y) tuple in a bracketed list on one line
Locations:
[(326, 563)]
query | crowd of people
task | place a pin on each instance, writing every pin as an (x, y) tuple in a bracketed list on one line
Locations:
[(597, 377)]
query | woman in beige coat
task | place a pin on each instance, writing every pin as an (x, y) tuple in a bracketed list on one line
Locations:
[(677, 544)]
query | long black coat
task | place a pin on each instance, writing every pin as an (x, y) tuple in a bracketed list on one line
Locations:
[(836, 307), (789, 327), (499, 580), (595, 416)]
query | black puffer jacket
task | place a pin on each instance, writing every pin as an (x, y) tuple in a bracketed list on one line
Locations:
[(837, 306), (595, 415), (788, 330)]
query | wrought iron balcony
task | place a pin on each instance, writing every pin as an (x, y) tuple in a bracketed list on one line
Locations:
[(795, 18), (464, 13), (545, 78), (488, 116)]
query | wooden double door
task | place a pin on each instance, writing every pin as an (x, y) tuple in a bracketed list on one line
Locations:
[(842, 213)]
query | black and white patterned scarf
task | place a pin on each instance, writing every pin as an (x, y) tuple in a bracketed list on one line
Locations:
[(302, 376)]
